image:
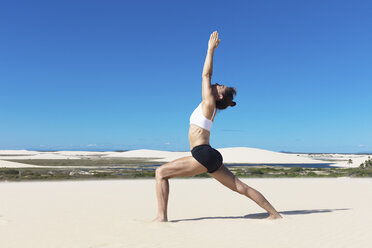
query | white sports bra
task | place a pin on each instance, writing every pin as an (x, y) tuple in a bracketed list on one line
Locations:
[(197, 118)]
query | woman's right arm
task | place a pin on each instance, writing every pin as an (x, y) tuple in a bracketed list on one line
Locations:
[(208, 68)]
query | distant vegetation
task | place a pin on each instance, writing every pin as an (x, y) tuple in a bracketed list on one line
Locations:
[(26, 174), (23, 174), (127, 168), (367, 164)]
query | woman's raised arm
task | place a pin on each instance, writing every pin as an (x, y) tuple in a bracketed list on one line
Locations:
[(208, 67)]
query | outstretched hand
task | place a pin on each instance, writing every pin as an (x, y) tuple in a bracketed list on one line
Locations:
[(213, 41)]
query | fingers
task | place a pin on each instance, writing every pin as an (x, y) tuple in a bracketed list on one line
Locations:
[(213, 40), (214, 35)]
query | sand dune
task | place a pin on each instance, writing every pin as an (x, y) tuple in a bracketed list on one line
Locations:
[(17, 152), (39, 156), (154, 154), (230, 155), (203, 213), (9, 164), (253, 155)]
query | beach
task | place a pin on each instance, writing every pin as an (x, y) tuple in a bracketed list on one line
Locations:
[(103, 101), (203, 213)]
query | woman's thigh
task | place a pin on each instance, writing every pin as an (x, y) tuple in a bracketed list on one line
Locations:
[(186, 166)]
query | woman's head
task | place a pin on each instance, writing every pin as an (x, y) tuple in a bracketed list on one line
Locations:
[(224, 96)]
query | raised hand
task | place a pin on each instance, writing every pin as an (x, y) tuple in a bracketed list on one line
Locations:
[(213, 41)]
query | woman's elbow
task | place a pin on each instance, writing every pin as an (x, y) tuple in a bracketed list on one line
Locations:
[(206, 75)]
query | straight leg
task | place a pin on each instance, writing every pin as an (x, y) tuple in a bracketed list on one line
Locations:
[(224, 176)]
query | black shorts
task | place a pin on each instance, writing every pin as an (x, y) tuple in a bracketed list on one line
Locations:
[(210, 158)]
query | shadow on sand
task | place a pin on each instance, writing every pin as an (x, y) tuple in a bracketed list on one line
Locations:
[(265, 215)]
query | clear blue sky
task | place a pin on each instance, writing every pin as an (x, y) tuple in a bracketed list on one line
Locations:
[(127, 74)]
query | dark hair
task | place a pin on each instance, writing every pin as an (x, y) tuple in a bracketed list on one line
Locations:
[(227, 99)]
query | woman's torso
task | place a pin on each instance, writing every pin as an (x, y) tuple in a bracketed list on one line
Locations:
[(197, 134)]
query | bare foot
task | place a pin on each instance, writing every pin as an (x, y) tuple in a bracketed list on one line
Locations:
[(273, 217), (159, 219)]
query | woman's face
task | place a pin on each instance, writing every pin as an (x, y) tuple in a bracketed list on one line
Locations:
[(220, 89)]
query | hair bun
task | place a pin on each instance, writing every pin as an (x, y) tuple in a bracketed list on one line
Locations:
[(233, 104)]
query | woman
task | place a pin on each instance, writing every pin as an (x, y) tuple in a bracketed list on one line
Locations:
[(204, 158)]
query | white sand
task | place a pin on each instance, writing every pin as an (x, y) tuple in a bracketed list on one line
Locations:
[(230, 155), (18, 152), (9, 164), (36, 155), (109, 214)]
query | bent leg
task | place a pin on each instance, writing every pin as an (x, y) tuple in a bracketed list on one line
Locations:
[(225, 176), (186, 166)]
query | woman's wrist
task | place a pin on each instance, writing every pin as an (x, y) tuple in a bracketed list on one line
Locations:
[(211, 50)]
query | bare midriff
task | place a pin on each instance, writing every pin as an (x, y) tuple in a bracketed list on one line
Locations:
[(198, 136)]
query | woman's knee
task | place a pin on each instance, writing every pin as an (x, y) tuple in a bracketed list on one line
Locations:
[(163, 172), (241, 187), (159, 173)]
